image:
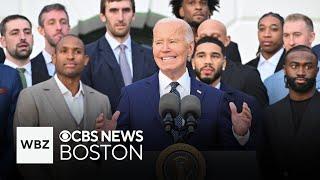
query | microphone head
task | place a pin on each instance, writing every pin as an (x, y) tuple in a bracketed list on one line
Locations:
[(190, 105), (169, 103)]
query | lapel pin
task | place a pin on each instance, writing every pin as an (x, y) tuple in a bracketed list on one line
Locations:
[(198, 91)]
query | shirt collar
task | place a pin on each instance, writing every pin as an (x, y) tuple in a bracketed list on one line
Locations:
[(47, 57), (64, 90), (273, 59), (11, 64), (184, 81), (114, 44), (218, 86)]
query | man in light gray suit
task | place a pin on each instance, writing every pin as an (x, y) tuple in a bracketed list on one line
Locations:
[(64, 103)]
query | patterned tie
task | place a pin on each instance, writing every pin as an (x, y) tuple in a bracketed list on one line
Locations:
[(22, 77), (124, 66), (179, 120)]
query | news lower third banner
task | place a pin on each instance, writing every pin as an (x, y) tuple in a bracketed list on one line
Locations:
[(35, 145)]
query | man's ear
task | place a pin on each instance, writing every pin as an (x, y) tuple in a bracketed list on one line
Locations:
[(102, 18), (227, 41), (3, 42), (41, 30), (181, 12)]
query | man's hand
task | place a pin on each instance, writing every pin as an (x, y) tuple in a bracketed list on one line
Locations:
[(103, 124), (241, 122)]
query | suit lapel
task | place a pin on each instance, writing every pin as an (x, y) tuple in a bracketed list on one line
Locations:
[(137, 61), (58, 103), (110, 59), (281, 62), (285, 120), (152, 93), (39, 69), (197, 89), (88, 120)]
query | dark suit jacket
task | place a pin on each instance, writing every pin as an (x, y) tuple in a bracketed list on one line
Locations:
[(10, 86), (139, 110), (254, 62), (39, 69), (286, 150), (245, 79), (238, 97), (103, 71), (232, 52), (316, 49), (2, 56)]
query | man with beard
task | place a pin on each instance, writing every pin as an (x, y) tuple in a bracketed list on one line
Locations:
[(194, 12), (297, 30), (53, 23), (17, 38), (209, 62), (290, 131), (115, 60), (240, 77)]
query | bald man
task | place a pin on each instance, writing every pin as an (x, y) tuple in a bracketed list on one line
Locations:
[(240, 77)]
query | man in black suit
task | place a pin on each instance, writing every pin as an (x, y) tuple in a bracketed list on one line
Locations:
[(116, 60), (208, 62), (240, 77), (290, 132), (53, 23), (2, 56), (195, 12), (271, 53)]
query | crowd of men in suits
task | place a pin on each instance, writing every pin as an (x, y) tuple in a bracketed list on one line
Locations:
[(269, 105)]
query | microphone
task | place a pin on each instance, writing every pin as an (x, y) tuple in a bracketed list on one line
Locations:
[(168, 110), (190, 111)]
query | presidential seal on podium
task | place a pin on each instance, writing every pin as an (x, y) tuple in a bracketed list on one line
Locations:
[(181, 162)]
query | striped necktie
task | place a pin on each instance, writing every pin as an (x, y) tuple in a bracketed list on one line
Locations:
[(22, 76), (124, 66), (178, 120)]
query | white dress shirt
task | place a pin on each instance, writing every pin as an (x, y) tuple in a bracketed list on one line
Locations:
[(27, 73), (50, 66), (184, 88), (266, 67), (114, 44), (75, 103)]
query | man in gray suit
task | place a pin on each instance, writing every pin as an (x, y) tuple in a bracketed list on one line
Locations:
[(64, 103)]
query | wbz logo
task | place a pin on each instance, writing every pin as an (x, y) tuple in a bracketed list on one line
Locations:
[(34, 145)]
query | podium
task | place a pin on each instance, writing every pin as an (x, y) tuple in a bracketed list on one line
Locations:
[(225, 165)]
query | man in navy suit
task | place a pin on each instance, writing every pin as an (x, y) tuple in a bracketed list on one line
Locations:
[(116, 60), (209, 62), (53, 23), (139, 103), (10, 87)]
